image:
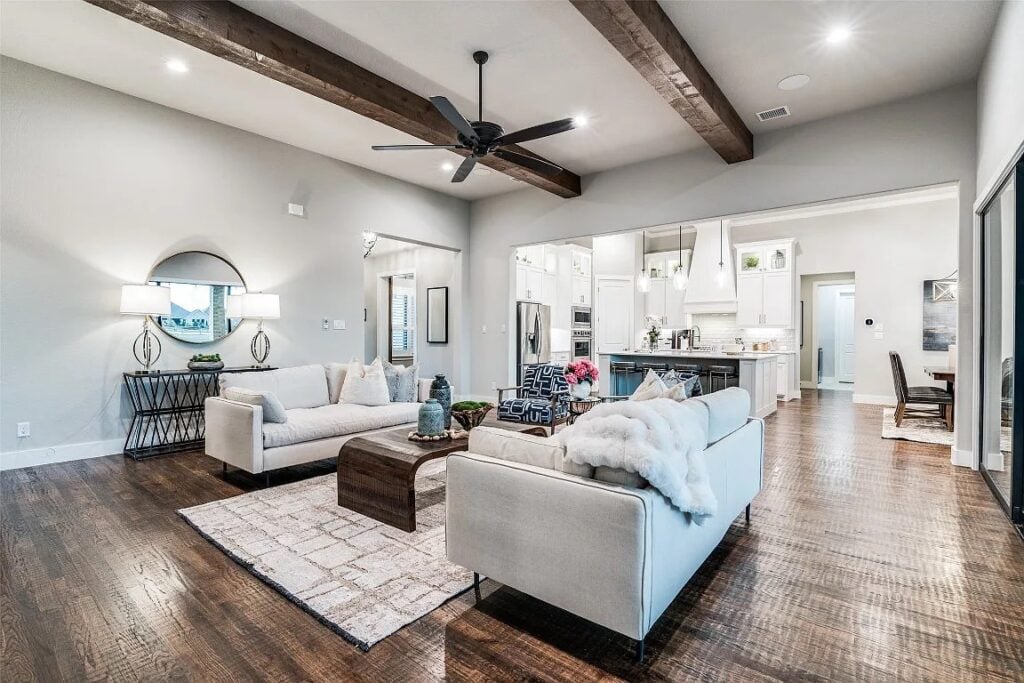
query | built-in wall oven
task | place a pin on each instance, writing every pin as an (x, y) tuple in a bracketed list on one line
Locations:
[(581, 317), (581, 343)]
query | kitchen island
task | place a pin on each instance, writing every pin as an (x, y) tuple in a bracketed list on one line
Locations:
[(756, 372)]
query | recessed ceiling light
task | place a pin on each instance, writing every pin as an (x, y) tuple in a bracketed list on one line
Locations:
[(177, 66), (794, 82), (447, 166), (839, 34), (580, 121)]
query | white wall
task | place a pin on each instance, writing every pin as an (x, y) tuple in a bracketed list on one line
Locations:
[(1001, 95), (891, 251), (920, 141), (433, 268), (98, 187)]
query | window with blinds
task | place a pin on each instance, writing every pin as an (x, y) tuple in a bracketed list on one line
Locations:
[(403, 317)]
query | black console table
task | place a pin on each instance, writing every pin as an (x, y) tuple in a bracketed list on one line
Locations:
[(168, 409)]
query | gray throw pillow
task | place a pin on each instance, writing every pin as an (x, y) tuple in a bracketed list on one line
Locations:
[(692, 386), (273, 409), (401, 382), (671, 379)]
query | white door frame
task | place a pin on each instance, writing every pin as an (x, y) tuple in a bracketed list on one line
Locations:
[(814, 327)]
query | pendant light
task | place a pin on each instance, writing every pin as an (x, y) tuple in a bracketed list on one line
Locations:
[(947, 288), (643, 281), (720, 277), (679, 278)]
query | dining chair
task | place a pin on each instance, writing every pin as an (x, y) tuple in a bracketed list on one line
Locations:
[(918, 396)]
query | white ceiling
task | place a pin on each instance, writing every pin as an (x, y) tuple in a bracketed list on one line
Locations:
[(547, 62)]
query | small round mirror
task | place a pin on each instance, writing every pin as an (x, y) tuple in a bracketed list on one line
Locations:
[(200, 285)]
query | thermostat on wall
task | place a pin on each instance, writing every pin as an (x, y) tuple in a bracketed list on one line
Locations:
[(869, 321)]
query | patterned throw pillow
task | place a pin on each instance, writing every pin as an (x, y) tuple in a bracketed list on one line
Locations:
[(401, 381)]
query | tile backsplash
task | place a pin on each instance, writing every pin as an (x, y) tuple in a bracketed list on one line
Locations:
[(721, 328)]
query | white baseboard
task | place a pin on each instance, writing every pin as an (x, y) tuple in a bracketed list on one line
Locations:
[(875, 399), (13, 460), (964, 458)]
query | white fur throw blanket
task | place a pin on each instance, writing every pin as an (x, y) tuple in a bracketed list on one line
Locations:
[(662, 440)]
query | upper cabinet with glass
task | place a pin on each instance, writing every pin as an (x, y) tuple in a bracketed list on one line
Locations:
[(764, 257), (200, 285)]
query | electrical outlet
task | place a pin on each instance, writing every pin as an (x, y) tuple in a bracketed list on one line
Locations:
[(339, 325), (24, 429), (494, 386), (504, 328), (483, 329), (325, 324)]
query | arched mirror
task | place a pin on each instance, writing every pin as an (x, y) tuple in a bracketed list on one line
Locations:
[(200, 285)]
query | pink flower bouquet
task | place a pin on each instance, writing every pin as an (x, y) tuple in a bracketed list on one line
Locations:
[(582, 370)]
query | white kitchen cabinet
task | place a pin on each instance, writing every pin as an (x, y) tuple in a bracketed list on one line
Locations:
[(534, 284), (580, 291), (655, 300), (765, 284), (675, 307), (520, 282), (582, 262), (549, 289), (614, 314), (782, 376), (749, 299)]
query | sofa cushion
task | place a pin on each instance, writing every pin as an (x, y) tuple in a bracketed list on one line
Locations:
[(365, 385), (727, 411), (652, 387), (273, 410), (300, 387), (335, 379), (402, 381), (615, 475), (338, 419), (531, 410), (527, 449)]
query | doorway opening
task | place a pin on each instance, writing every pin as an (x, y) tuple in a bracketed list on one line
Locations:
[(829, 348)]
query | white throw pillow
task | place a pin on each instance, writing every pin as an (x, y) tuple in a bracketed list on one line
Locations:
[(273, 409), (365, 385), (652, 387)]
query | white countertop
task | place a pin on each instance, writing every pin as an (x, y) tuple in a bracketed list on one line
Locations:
[(713, 355)]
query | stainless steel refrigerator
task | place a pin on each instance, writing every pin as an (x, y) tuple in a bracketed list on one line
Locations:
[(533, 336)]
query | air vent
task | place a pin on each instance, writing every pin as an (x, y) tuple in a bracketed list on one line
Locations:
[(772, 114)]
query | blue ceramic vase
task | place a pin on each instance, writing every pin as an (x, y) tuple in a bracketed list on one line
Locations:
[(442, 391), (431, 419)]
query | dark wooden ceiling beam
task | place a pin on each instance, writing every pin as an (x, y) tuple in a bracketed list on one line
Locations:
[(239, 36), (642, 32)]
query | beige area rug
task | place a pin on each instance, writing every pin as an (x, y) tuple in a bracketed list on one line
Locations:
[(921, 429), (362, 578)]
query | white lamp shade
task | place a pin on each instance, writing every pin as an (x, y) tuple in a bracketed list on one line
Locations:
[(233, 306), (145, 300), (260, 306)]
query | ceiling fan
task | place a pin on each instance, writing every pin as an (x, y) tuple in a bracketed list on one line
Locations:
[(482, 138)]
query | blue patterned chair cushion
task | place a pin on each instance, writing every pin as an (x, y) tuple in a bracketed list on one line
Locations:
[(531, 410), (533, 405)]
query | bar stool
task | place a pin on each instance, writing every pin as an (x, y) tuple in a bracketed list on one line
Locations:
[(620, 370), (658, 368), (721, 377), (687, 369)]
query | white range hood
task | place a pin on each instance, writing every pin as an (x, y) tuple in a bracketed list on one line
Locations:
[(710, 289)]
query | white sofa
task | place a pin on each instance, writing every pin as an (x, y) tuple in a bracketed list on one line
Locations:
[(317, 424), (616, 554)]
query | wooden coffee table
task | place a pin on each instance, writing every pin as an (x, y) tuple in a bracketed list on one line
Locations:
[(377, 473)]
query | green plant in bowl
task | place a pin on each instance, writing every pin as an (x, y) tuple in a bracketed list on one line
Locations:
[(470, 414), (751, 262)]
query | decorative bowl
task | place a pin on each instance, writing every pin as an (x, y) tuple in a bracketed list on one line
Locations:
[(205, 365), (471, 418)]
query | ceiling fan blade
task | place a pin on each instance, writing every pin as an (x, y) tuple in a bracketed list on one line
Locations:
[(529, 162), (452, 115), (464, 168), (535, 132), (388, 148)]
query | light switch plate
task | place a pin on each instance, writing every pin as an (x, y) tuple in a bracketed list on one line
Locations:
[(24, 429), (879, 327), (879, 335), (483, 329), (339, 325)]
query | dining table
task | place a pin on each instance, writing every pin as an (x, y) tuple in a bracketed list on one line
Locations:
[(942, 374)]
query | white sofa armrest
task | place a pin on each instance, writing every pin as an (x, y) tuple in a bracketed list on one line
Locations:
[(234, 433), (576, 543)]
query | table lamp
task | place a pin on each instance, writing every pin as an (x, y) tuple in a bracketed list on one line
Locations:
[(259, 306), (146, 300)]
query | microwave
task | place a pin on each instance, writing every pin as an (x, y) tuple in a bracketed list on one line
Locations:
[(581, 317)]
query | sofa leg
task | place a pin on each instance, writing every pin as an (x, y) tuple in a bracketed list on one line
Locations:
[(224, 469), (640, 651), (476, 586), (748, 513), (266, 479)]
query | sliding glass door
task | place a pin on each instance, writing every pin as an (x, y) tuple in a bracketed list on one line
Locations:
[(1002, 284)]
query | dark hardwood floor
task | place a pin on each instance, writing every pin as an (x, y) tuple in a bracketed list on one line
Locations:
[(865, 560)]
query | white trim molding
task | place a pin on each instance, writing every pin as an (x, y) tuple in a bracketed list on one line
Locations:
[(14, 460), (963, 458)]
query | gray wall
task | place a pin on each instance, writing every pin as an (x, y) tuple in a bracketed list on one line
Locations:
[(434, 268), (920, 141), (1001, 95), (891, 251), (98, 187)]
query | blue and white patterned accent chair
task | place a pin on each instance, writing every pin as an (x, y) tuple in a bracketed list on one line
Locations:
[(542, 399)]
